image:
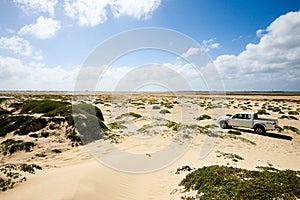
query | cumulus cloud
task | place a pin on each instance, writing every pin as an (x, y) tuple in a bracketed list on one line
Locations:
[(19, 46), (44, 28), (17, 75), (191, 51), (210, 44), (275, 57), (46, 6), (133, 8), (87, 12), (94, 12)]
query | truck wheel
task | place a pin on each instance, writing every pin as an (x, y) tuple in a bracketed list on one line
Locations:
[(259, 129), (224, 124)]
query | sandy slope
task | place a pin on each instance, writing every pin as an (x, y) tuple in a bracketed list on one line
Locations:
[(77, 175)]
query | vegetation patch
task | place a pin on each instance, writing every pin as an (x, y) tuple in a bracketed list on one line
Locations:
[(262, 112), (21, 125), (11, 174), (117, 125), (222, 182), (155, 107), (231, 156), (293, 113), (234, 132), (203, 117), (288, 117), (11, 146), (42, 106), (133, 114), (89, 122), (163, 111), (292, 128)]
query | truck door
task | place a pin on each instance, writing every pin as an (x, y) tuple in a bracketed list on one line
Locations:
[(236, 120), (247, 122)]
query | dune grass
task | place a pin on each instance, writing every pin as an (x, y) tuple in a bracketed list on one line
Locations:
[(231, 156), (203, 117)]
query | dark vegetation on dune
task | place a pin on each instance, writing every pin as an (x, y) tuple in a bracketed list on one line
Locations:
[(40, 119), (222, 182), (12, 174), (89, 120)]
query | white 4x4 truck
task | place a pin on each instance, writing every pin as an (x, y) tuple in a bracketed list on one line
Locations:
[(248, 120)]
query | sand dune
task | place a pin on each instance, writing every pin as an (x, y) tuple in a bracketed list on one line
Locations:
[(81, 172)]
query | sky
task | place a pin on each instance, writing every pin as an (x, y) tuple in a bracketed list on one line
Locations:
[(251, 45)]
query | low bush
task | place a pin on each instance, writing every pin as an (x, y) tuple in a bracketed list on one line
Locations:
[(133, 114), (293, 113), (234, 132), (203, 117), (222, 182), (11, 146), (155, 107), (164, 111), (262, 112), (292, 128)]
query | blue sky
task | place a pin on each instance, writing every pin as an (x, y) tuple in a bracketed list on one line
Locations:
[(255, 45)]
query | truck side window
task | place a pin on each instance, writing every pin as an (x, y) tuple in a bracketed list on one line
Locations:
[(255, 116)]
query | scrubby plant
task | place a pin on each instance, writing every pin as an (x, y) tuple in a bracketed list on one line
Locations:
[(42, 106), (222, 182), (203, 117), (234, 132), (292, 128), (155, 107), (293, 113), (231, 156), (116, 125), (262, 112), (133, 114), (164, 111), (11, 174), (11, 146)]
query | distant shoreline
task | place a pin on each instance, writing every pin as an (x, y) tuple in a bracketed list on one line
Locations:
[(247, 93)]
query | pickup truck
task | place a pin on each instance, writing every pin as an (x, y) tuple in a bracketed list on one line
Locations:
[(248, 120)]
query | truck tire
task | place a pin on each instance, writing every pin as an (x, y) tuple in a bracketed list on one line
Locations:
[(223, 125), (259, 129)]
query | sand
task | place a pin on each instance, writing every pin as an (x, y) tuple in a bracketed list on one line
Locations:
[(80, 173)]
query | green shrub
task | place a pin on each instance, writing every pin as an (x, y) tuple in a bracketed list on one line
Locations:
[(164, 111), (173, 125), (203, 117), (116, 125), (262, 112), (222, 182), (133, 114), (234, 132), (156, 107), (293, 113), (292, 128), (42, 106)]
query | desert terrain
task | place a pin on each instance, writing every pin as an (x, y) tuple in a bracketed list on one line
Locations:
[(144, 144)]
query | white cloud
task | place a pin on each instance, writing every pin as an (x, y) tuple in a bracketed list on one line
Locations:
[(44, 28), (260, 32), (191, 51), (275, 57), (19, 46), (46, 6), (210, 44), (38, 77), (94, 12), (133, 8), (87, 12)]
